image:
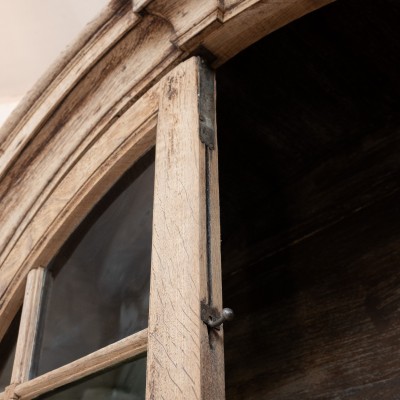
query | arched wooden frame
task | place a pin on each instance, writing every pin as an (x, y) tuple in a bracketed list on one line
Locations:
[(83, 124), (167, 116)]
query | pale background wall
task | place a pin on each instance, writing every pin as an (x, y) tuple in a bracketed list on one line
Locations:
[(32, 34)]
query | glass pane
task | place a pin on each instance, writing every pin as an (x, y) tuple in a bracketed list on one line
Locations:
[(125, 382), (7, 352), (98, 285)]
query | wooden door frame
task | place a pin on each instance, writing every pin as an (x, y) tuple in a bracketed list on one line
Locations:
[(183, 354), (95, 113), (116, 63)]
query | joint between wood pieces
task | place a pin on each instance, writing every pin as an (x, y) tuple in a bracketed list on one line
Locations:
[(10, 394)]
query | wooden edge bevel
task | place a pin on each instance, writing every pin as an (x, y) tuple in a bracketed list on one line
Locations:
[(138, 5), (109, 356), (188, 39), (28, 325), (179, 269), (249, 21)]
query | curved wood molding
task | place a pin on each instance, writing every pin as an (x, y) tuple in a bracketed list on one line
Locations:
[(82, 125)]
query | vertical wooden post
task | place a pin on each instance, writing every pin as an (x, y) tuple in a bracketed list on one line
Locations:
[(179, 342), (28, 326)]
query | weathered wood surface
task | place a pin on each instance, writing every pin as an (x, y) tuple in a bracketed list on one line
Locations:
[(178, 352), (309, 182), (75, 62), (28, 325), (247, 22), (9, 393), (139, 5), (123, 350), (69, 200), (120, 57)]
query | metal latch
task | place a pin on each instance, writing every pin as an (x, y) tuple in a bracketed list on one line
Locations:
[(212, 318)]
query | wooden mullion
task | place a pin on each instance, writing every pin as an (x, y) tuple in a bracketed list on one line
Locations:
[(109, 356), (9, 393), (179, 344), (28, 326)]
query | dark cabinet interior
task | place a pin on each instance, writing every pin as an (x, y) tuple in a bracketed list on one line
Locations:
[(309, 152)]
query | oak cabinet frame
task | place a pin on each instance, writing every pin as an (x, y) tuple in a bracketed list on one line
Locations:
[(180, 348), (54, 158), (98, 109)]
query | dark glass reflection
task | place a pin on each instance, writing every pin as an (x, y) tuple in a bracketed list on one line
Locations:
[(126, 382), (7, 352), (98, 285)]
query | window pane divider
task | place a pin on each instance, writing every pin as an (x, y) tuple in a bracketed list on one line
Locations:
[(28, 325), (109, 356)]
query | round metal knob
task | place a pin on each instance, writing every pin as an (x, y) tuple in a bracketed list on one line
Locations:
[(227, 315)]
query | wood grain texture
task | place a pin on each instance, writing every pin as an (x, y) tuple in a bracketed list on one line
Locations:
[(118, 59), (28, 325), (85, 109), (121, 351), (183, 15), (138, 5), (73, 197), (319, 312), (179, 266), (228, 4), (309, 181), (247, 22), (178, 278), (98, 37), (9, 393)]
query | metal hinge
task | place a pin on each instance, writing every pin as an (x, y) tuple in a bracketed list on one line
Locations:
[(213, 318), (207, 104)]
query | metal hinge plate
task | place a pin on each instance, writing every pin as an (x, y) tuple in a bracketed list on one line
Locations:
[(207, 104)]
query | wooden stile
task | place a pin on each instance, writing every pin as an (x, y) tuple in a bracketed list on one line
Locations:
[(28, 325), (179, 343)]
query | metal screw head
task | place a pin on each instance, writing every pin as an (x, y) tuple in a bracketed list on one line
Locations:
[(228, 314)]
